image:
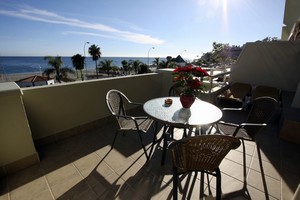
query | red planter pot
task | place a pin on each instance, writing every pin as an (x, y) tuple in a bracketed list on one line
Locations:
[(187, 100)]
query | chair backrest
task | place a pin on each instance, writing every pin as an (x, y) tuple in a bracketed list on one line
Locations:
[(234, 96), (204, 152), (174, 90), (240, 90), (115, 103), (261, 90), (262, 110)]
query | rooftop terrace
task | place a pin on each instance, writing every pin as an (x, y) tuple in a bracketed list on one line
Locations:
[(55, 140), (84, 167)]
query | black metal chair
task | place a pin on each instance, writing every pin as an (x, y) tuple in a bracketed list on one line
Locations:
[(269, 91), (174, 90), (235, 96), (141, 124), (262, 111), (200, 153)]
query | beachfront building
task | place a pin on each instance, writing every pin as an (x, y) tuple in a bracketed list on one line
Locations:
[(179, 61), (35, 80), (55, 140)]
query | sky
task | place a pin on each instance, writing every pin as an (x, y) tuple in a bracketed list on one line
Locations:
[(134, 28)]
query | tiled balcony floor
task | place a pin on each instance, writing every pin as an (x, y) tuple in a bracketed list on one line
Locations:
[(83, 167)]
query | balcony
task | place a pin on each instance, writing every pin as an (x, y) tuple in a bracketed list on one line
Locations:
[(55, 140), (83, 167)]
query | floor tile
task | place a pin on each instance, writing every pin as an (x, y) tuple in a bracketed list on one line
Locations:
[(85, 167), (36, 189)]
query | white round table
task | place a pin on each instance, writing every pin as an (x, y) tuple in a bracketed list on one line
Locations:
[(174, 115), (200, 113)]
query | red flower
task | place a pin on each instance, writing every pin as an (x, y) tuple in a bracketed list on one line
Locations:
[(188, 78)]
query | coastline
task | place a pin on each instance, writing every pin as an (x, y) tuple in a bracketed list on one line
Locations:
[(14, 68)]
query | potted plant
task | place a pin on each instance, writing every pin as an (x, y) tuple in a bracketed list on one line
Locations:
[(189, 81)]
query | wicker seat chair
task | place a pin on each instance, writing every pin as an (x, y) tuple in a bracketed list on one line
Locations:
[(201, 153), (115, 101)]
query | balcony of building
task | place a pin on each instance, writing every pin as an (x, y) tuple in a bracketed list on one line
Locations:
[(55, 140)]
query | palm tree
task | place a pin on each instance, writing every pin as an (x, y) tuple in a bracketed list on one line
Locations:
[(166, 64), (144, 69), (95, 52), (169, 58), (126, 66), (48, 71), (116, 70), (163, 64), (136, 65), (56, 63), (78, 64), (106, 65), (156, 61), (64, 74)]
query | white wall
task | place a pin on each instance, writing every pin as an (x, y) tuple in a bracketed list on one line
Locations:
[(34, 113), (15, 134), (57, 108), (274, 64), (291, 15)]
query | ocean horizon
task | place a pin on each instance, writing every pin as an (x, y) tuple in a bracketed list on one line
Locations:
[(33, 64)]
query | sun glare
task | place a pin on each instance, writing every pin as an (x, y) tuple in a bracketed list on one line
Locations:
[(224, 13), (222, 7)]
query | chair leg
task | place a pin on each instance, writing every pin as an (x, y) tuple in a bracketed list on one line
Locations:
[(202, 184), (198, 130), (211, 128), (184, 133), (170, 130), (208, 183), (244, 163), (218, 184), (154, 141), (175, 183), (218, 130), (113, 143), (142, 143), (262, 172), (165, 144)]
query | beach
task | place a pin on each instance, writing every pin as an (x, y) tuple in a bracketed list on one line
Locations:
[(18, 76), (15, 77)]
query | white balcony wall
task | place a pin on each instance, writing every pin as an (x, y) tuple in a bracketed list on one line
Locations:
[(61, 107), (269, 63), (31, 114), (15, 135)]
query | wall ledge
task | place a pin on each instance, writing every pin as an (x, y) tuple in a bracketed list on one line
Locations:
[(10, 89)]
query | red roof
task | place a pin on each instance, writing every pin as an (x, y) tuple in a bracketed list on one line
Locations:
[(33, 79)]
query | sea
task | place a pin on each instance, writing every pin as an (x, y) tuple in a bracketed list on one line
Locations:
[(28, 64)]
